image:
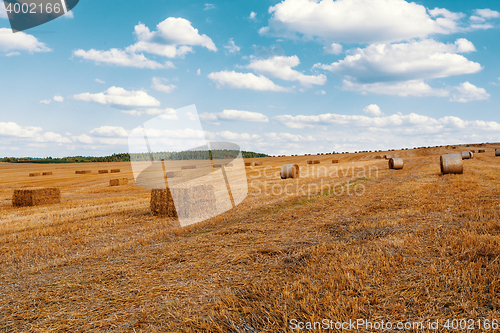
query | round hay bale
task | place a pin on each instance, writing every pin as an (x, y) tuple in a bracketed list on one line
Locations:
[(396, 163), (289, 171), (451, 163), (387, 157), (497, 152), (467, 155), (481, 151)]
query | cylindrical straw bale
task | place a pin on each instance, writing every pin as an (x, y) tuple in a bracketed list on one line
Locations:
[(481, 151), (497, 152), (396, 163), (467, 155), (289, 171), (451, 163), (387, 157)]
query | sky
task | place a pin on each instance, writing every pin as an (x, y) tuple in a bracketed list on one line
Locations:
[(277, 77)]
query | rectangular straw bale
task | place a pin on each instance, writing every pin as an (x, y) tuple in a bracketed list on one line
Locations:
[(103, 171), (82, 172), (34, 174), (186, 167), (313, 162), (192, 202), (47, 173), (218, 166), (36, 197), (118, 182), (335, 161), (115, 170)]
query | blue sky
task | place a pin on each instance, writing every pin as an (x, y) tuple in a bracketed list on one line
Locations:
[(280, 77)]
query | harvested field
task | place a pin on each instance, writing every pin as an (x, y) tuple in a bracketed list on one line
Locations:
[(368, 242)]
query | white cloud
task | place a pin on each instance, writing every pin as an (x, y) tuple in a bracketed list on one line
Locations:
[(173, 38), (231, 47), (159, 86), (468, 92), (359, 21), (487, 13), (110, 131), (245, 81), (121, 58), (321, 92), (11, 129), (209, 6), (417, 60), (233, 136), (252, 16), (234, 115), (403, 88), (117, 96), (10, 42), (412, 123), (198, 72), (281, 67), (58, 98), (10, 54), (373, 109), (99, 81), (167, 113), (333, 48)]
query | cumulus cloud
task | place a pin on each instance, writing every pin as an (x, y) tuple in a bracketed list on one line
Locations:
[(333, 48), (209, 6), (159, 86), (121, 58), (252, 16), (173, 38), (404, 88), (31, 133), (56, 98), (11, 43), (373, 109), (234, 115), (281, 67), (468, 92), (167, 113), (3, 13), (411, 123), (99, 81), (231, 47), (117, 96), (359, 21), (110, 131), (416, 60), (321, 92), (487, 13), (245, 81)]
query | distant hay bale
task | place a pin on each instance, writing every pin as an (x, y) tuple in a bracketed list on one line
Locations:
[(451, 163), (173, 174), (35, 174), (467, 155), (289, 171), (193, 202), (396, 163), (453, 147), (186, 167), (36, 197), (378, 157), (115, 170), (47, 173), (118, 182), (335, 161), (249, 164), (313, 162), (258, 163), (103, 171), (481, 151), (82, 172), (218, 166), (387, 157), (497, 152)]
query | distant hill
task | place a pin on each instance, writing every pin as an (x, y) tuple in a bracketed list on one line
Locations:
[(125, 157)]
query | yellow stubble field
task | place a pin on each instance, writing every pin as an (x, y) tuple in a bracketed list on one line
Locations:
[(345, 241)]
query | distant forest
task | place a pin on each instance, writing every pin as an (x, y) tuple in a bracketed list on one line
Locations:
[(125, 157)]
